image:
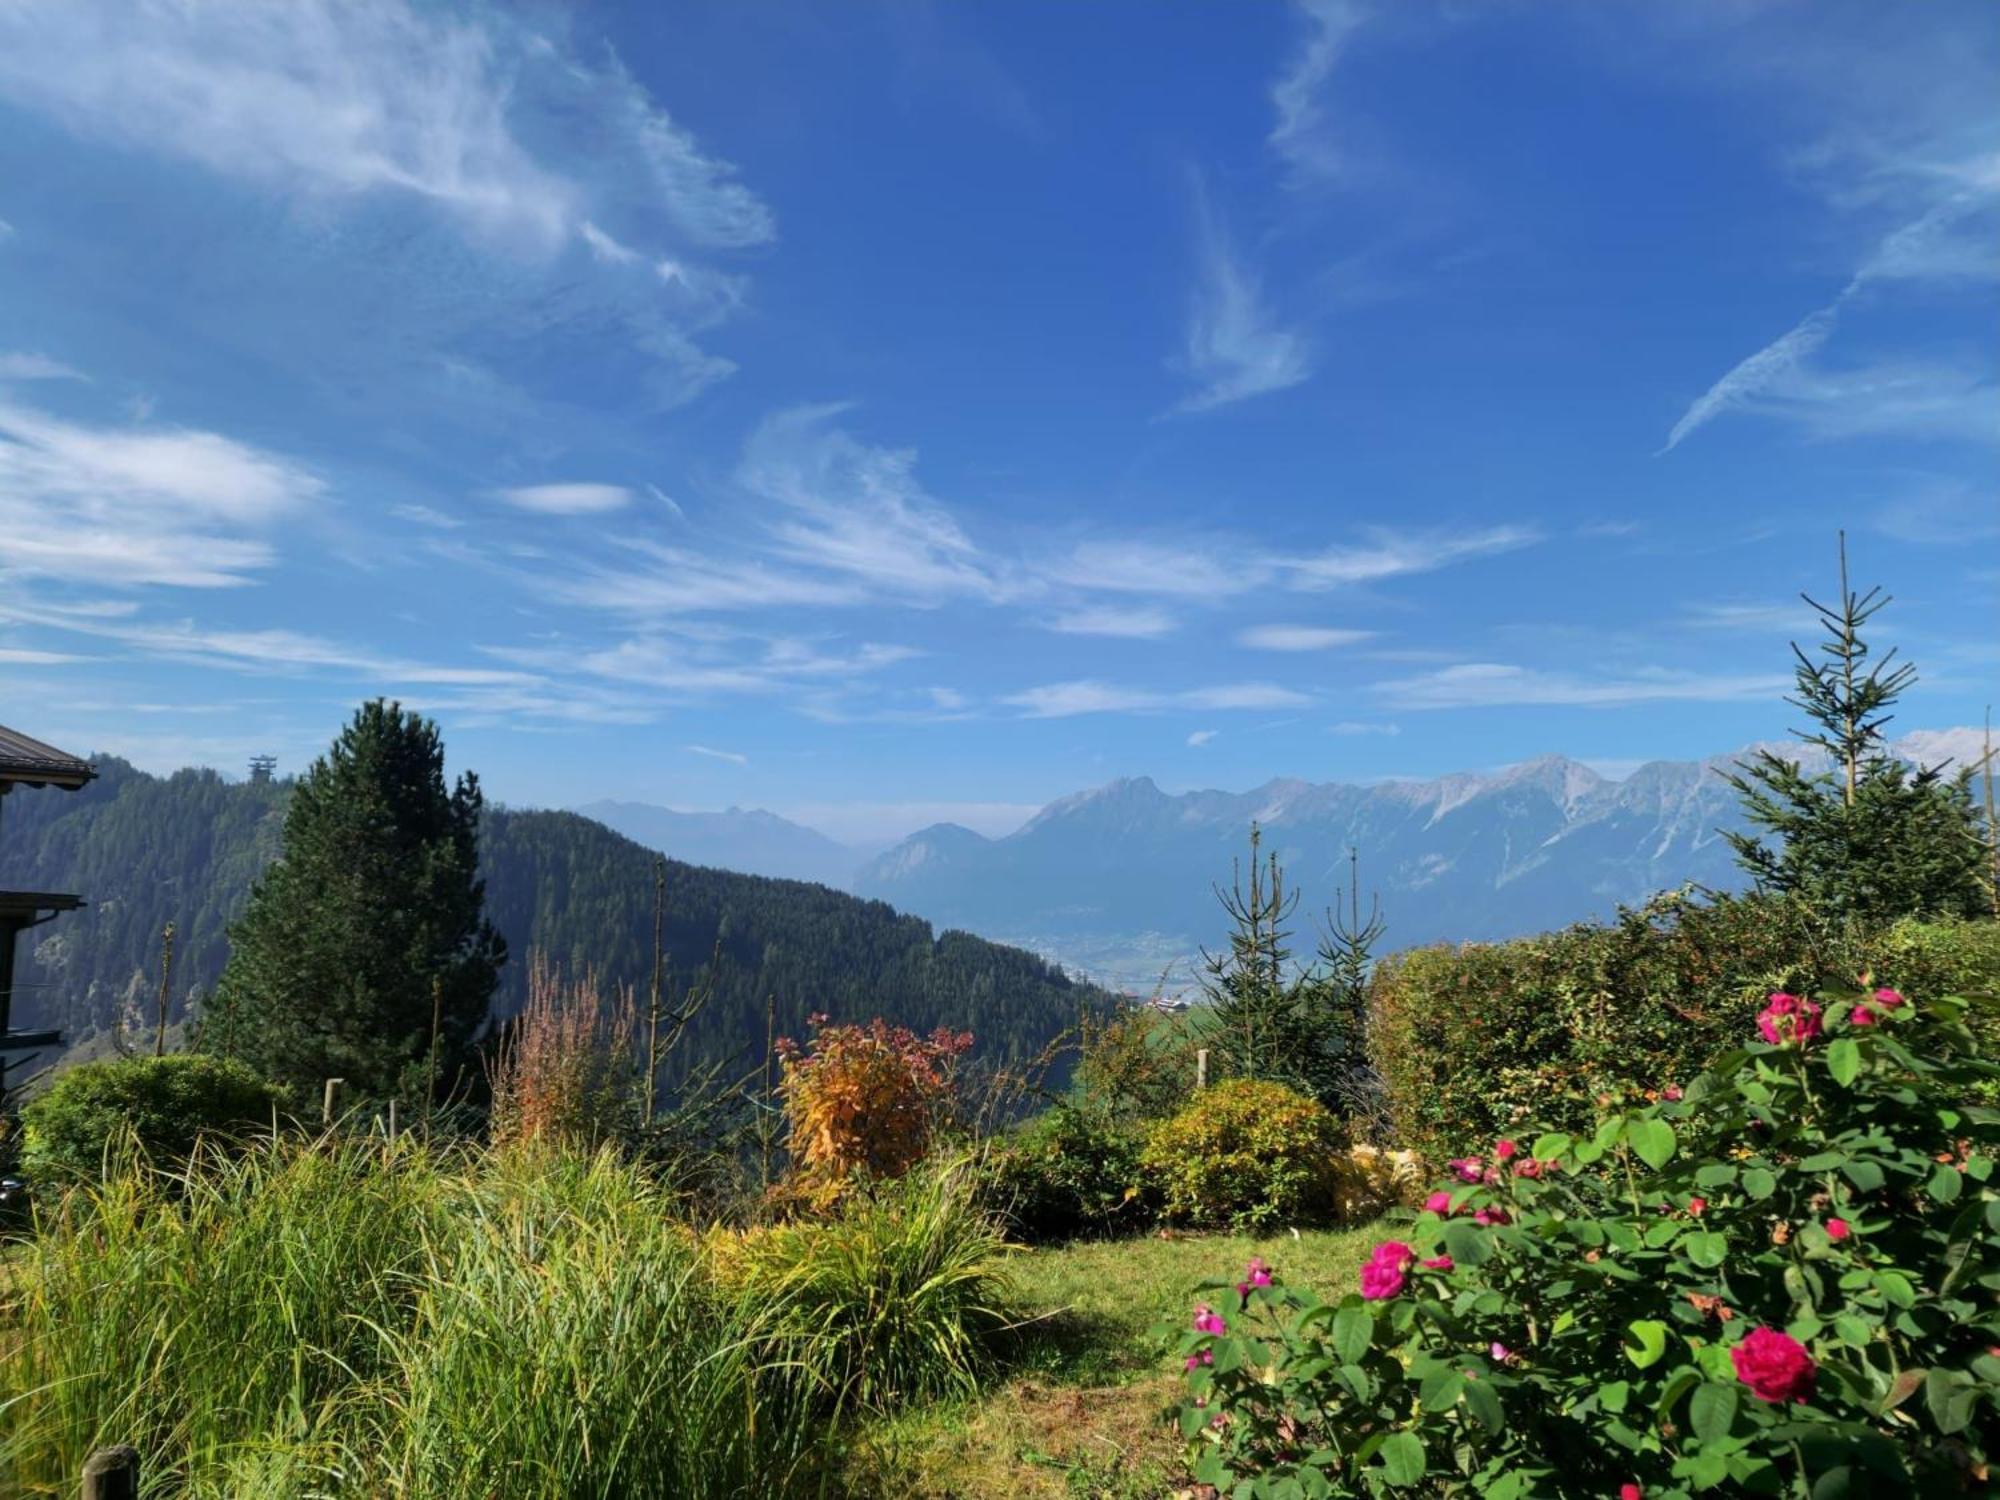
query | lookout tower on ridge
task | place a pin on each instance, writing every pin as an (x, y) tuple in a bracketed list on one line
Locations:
[(29, 762), (261, 768)]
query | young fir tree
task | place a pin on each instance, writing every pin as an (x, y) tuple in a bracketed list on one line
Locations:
[(1347, 954), (1871, 839), (363, 953), (1271, 1019)]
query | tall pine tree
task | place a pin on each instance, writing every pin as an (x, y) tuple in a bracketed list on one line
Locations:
[(1871, 839), (364, 953)]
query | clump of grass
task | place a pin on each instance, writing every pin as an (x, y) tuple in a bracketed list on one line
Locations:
[(208, 1314), (897, 1298), (349, 1319)]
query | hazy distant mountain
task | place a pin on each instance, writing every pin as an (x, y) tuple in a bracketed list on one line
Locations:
[(1118, 881), (753, 842)]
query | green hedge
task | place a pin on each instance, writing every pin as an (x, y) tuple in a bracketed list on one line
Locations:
[(164, 1104), (1472, 1041)]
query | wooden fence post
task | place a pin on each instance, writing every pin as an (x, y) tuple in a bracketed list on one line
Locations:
[(326, 1102), (112, 1474), (1201, 1068)]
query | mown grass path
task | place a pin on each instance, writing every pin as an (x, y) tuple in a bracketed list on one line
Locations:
[(1078, 1415)]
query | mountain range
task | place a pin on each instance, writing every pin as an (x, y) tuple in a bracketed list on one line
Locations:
[(1119, 882), (752, 841)]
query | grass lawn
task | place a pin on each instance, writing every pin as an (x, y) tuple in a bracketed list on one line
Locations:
[(1078, 1413)]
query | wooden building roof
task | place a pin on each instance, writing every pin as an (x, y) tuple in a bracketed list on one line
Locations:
[(29, 762)]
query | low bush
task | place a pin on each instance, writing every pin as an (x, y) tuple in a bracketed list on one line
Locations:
[(1245, 1154), (1472, 1041), (163, 1105), (1068, 1174), (1138, 1065), (1779, 1281)]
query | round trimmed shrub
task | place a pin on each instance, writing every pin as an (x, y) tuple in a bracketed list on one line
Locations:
[(166, 1105), (1068, 1174), (1246, 1154)]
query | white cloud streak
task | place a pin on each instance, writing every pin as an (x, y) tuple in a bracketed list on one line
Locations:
[(570, 499), (1062, 700), (1299, 637), (1498, 685), (31, 366), (712, 753), (129, 505), (1137, 623)]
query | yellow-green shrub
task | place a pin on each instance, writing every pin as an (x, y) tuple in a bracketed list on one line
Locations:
[(1248, 1154)]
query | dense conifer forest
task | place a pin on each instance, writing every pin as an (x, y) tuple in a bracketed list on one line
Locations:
[(145, 851)]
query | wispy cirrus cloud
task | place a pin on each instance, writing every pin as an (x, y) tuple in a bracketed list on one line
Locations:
[(477, 127), (23, 365), (709, 752), (1780, 378), (1395, 554), (1301, 134), (130, 505), (856, 510), (1236, 346), (1502, 685)]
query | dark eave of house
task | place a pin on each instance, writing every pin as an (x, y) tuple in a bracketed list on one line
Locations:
[(28, 762)]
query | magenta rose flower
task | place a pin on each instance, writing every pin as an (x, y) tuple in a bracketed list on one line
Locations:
[(1438, 1263), (1775, 1366), (1438, 1203), (1788, 1019), (1889, 998), (1208, 1320), (1383, 1277), (1467, 1168)]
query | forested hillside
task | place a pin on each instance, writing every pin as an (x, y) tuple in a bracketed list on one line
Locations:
[(145, 851)]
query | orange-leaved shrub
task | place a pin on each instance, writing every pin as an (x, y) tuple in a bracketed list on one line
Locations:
[(865, 1100)]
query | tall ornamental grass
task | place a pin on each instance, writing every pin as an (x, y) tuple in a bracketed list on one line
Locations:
[(342, 1319)]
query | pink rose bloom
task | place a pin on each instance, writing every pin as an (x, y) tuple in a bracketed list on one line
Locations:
[(1889, 998), (1775, 1366), (1499, 1353), (1467, 1168), (1838, 1229), (1527, 1167), (1672, 1095), (1697, 1206), (1438, 1203), (1630, 1492), (1862, 1015), (1438, 1263), (1258, 1274), (1380, 1281), (1788, 1019), (1208, 1320), (1206, 1357), (1490, 1216), (1394, 1253), (1505, 1150)]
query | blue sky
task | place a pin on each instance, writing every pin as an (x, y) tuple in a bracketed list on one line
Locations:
[(890, 412)]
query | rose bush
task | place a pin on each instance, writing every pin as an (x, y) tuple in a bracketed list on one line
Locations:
[(1783, 1280)]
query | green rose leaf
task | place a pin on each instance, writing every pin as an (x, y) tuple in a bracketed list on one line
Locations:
[(1843, 1061), (1645, 1342), (1712, 1411), (1653, 1140), (1353, 1332), (1945, 1184), (1484, 1404), (1402, 1458), (1705, 1248), (1548, 1147), (1759, 1184)]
